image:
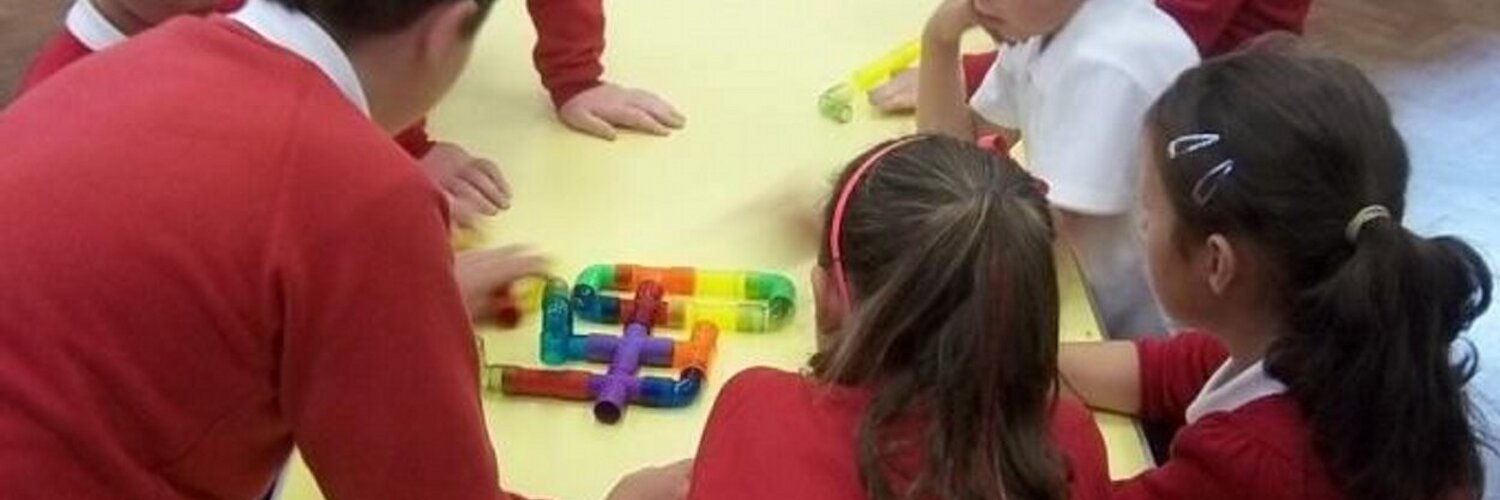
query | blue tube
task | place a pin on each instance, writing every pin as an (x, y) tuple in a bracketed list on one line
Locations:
[(662, 392)]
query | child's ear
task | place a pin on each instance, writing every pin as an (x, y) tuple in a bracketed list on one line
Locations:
[(1223, 263), (830, 307), (444, 28)]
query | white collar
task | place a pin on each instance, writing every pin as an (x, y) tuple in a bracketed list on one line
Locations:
[(300, 34), (1224, 393), (90, 26)]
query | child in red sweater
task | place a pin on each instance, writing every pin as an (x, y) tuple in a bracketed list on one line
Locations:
[(1216, 26), (570, 43), (208, 267), (937, 314), (1273, 199)]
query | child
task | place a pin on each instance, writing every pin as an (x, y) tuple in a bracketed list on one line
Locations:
[(1273, 202), (937, 309), (1075, 85), (231, 258), (1216, 27), (473, 186)]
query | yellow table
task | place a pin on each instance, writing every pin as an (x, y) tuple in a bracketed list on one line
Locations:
[(714, 195)]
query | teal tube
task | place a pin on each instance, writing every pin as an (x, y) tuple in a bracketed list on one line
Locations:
[(557, 322)]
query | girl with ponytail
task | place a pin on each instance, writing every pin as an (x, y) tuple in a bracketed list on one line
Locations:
[(1324, 366), (937, 309)]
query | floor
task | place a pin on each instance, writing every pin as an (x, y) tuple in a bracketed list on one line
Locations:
[(1438, 61)]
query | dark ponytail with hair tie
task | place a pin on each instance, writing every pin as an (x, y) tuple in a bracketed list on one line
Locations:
[(1372, 311)]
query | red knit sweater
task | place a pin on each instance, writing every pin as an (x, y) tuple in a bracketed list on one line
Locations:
[(774, 434), (570, 42), (1259, 451), (210, 265)]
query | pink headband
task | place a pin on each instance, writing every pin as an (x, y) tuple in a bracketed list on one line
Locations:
[(836, 229), (994, 144)]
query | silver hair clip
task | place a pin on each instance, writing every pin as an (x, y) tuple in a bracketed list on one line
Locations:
[(1208, 184), (1204, 189), (1190, 143)]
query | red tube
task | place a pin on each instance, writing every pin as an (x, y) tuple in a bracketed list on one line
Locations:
[(560, 384)]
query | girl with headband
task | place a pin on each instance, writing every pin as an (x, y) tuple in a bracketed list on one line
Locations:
[(937, 311), (1323, 365)]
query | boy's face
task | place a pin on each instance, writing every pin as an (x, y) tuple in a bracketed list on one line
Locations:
[(1017, 20)]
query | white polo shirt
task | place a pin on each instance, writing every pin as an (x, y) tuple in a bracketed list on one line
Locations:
[(1079, 100)]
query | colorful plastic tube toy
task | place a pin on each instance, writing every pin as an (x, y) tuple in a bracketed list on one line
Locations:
[(732, 300), (560, 344), (837, 103), (620, 385), (579, 385)]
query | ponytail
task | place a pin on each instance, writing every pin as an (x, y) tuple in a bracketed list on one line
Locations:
[(948, 257), (1317, 183), (1369, 361)]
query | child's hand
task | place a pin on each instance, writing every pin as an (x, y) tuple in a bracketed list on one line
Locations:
[(668, 482), (473, 186), (898, 95), (597, 111), (481, 272), (948, 24)]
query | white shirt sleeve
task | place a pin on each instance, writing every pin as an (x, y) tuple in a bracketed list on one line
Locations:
[(995, 100), (1086, 135)]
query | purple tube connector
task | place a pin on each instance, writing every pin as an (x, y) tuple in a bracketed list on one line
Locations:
[(620, 381)]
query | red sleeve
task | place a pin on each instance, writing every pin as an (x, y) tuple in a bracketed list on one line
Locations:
[(1204, 20), (378, 369), (1077, 438), (760, 443), (1173, 371), (414, 140), (60, 51), (569, 43), (718, 467), (1220, 26), (1219, 458), (975, 67)]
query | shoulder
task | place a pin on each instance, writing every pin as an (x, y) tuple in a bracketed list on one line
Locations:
[(1135, 43), (757, 386), (1261, 447), (59, 51)]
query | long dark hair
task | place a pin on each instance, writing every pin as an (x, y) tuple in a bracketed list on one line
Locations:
[(947, 250), (1369, 321)]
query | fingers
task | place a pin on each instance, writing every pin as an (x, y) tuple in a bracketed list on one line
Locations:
[(899, 95), (484, 177), (659, 109), (503, 265), (462, 190), (586, 121), (463, 212), (638, 119), (480, 273)]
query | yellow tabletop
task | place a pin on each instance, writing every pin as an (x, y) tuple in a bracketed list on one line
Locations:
[(715, 195)]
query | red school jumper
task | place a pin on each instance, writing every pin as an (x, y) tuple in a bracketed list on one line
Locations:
[(570, 42), (201, 268), (1261, 450), (774, 434), (1216, 26)]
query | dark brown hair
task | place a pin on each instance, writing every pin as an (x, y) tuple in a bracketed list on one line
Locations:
[(354, 19), (947, 249), (1369, 323)]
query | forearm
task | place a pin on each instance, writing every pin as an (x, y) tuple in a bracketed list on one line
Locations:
[(1105, 375), (942, 104)]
